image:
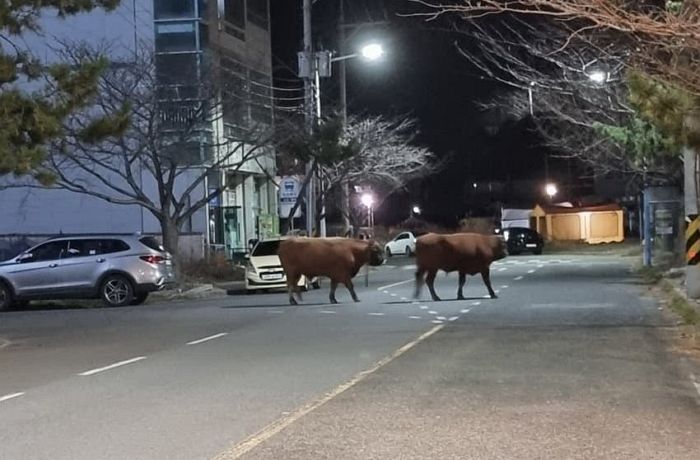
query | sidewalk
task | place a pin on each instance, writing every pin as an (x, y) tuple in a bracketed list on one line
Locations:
[(494, 393)]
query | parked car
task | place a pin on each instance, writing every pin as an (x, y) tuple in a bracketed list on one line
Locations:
[(403, 243), (264, 270), (522, 239), (120, 270)]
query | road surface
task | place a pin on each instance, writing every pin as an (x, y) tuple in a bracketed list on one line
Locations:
[(569, 362)]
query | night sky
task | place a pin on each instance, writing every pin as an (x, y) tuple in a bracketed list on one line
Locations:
[(424, 76)]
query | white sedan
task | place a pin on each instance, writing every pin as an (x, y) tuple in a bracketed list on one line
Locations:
[(264, 271), (403, 243)]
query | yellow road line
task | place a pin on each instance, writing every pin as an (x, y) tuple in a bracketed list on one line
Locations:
[(245, 446)]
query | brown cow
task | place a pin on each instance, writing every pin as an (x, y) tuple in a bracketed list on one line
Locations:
[(466, 253), (336, 258)]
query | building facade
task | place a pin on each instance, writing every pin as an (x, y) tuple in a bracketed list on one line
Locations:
[(195, 42)]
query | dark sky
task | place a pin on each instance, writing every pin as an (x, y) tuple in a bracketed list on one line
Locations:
[(423, 75)]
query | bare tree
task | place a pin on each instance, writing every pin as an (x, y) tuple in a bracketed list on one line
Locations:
[(575, 97), (175, 141), (663, 33), (367, 150)]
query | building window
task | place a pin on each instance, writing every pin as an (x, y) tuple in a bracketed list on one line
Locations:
[(176, 36), (260, 98), (177, 75), (170, 9), (234, 13), (258, 13)]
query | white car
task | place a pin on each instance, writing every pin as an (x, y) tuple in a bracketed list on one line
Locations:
[(403, 243), (263, 270)]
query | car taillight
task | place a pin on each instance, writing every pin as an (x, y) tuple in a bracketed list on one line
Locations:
[(152, 259)]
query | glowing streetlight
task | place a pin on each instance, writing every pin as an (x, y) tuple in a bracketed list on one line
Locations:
[(598, 76), (416, 210), (372, 51), (367, 199), (550, 190)]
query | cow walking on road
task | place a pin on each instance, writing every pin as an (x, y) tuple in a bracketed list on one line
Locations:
[(466, 253), (338, 259)]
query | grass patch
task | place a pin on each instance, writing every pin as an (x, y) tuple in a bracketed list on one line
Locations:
[(650, 275), (678, 304)]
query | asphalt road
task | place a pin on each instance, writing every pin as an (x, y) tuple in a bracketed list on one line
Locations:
[(567, 363)]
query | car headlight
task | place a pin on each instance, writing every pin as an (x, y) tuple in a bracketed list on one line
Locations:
[(251, 268), (506, 234)]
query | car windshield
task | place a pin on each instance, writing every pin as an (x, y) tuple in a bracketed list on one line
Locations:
[(266, 248)]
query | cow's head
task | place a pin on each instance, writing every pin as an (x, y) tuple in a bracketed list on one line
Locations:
[(499, 247), (376, 253)]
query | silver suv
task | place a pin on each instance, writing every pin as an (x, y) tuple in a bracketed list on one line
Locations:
[(120, 270)]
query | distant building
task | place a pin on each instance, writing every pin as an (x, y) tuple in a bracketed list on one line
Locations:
[(183, 33)]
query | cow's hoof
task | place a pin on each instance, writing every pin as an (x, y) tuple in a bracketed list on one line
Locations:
[(461, 297), (494, 296), (356, 300), (437, 299), (293, 302), (333, 301)]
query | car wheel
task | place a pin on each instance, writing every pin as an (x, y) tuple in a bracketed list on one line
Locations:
[(537, 251), (316, 284), (388, 252), (139, 298), (5, 297), (116, 291), (409, 253)]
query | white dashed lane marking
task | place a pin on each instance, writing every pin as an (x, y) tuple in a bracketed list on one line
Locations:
[(435, 321), (10, 396), (375, 314), (518, 278), (465, 310), (111, 366), (328, 312), (207, 339), (531, 271), (453, 318), (414, 317), (433, 312)]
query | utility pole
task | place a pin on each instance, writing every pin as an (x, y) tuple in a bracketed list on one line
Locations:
[(344, 185), (309, 103)]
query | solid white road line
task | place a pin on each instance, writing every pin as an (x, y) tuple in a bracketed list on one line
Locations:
[(242, 448), (10, 396), (206, 339), (388, 286), (112, 366)]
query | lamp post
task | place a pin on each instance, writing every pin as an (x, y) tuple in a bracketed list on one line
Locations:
[(551, 190), (367, 200)]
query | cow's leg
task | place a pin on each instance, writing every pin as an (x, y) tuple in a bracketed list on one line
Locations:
[(334, 285), (420, 273), (486, 275), (292, 281), (462, 282), (430, 281), (351, 288)]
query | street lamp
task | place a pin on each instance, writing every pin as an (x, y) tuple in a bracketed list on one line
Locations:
[(598, 76), (372, 51), (416, 210), (551, 190)]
